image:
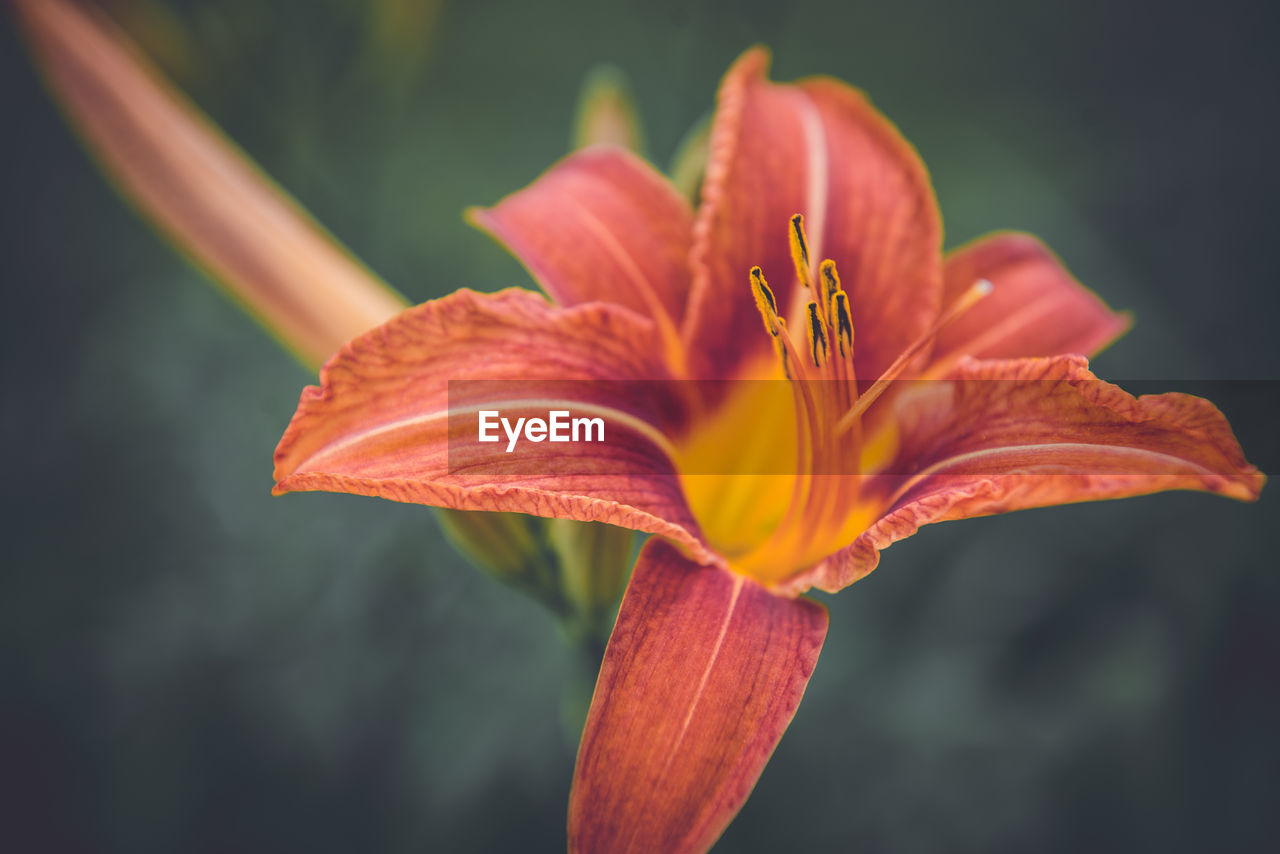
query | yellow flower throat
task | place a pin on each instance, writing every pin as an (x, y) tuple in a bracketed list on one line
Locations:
[(769, 519)]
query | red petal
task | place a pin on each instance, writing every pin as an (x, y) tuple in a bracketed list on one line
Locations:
[(818, 148), (1021, 433), (1036, 309), (702, 675), (378, 424), (601, 225)]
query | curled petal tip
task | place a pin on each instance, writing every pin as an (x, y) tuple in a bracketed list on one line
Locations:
[(1037, 309)]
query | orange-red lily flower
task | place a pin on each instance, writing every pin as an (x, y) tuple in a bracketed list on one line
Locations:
[(808, 185)]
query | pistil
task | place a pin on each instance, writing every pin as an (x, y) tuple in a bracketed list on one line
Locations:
[(963, 303)]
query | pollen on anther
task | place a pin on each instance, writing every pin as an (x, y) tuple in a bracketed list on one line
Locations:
[(830, 285), (799, 249), (817, 337), (799, 242), (830, 277), (765, 302), (843, 322)]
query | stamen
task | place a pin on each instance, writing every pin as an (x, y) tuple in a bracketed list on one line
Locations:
[(800, 249), (817, 337), (821, 497), (837, 302), (843, 322), (775, 324), (830, 278), (766, 302), (962, 304)]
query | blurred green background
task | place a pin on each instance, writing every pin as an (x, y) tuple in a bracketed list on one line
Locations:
[(187, 664)]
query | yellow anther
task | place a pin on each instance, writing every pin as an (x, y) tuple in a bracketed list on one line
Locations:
[(817, 336), (765, 302), (842, 322), (800, 249), (830, 280)]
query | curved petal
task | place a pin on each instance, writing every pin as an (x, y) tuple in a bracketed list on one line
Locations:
[(1020, 433), (818, 148), (381, 422), (703, 673), (1037, 308), (601, 225), (195, 185)]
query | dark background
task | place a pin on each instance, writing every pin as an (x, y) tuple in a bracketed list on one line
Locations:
[(187, 664)]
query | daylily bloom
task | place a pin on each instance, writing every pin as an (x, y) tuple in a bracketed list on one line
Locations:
[(813, 262), (714, 642), (713, 645)]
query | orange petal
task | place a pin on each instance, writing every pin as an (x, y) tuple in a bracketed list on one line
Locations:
[(1036, 309), (817, 148), (195, 185), (703, 673), (1020, 433), (601, 225), (379, 424)]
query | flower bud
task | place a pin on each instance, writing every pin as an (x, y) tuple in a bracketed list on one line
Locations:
[(594, 562), (510, 546), (607, 113)]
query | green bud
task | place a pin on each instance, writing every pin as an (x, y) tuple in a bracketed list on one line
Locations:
[(400, 34), (594, 561), (507, 545), (576, 569), (606, 112), (689, 164)]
